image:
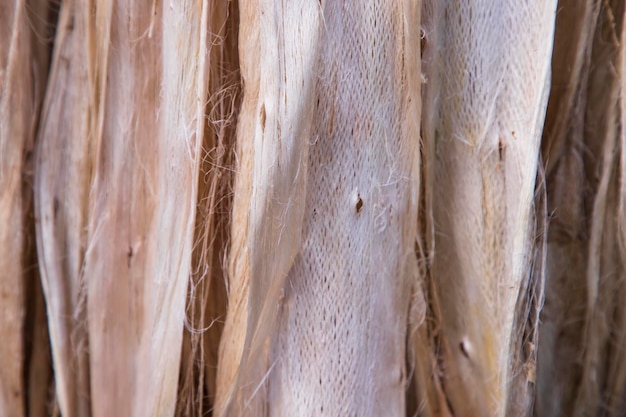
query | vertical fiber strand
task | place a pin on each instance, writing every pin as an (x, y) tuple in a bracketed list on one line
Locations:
[(604, 371), (23, 68), (288, 36), (238, 282), (580, 368), (151, 91), (62, 176), (206, 305), (484, 123), (561, 332), (122, 194), (345, 311)]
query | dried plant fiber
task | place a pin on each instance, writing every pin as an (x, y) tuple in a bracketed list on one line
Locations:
[(582, 368), (207, 295), (483, 115), (61, 199), (23, 67), (355, 278), (145, 73), (119, 155), (312, 208), (349, 212), (278, 99)]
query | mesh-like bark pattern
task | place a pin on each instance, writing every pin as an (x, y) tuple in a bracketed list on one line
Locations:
[(334, 204), (490, 69), (344, 320)]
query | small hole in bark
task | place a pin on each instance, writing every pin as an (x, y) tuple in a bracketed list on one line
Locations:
[(55, 207), (359, 205), (263, 117), (130, 255), (465, 348)]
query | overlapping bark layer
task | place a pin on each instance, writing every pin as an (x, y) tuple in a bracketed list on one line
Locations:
[(270, 208)]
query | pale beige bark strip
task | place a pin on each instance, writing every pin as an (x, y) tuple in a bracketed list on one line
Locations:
[(233, 337), (288, 35), (485, 124), (119, 245), (152, 90), (182, 116), (63, 173)]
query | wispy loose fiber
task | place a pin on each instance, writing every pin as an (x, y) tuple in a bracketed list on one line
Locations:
[(233, 337), (326, 311), (207, 298), (278, 108)]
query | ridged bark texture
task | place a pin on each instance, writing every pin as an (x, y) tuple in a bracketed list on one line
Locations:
[(24, 358), (483, 114), (582, 363), (61, 199), (327, 292), (312, 208), (118, 159)]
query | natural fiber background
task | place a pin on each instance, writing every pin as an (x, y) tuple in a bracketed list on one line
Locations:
[(312, 208)]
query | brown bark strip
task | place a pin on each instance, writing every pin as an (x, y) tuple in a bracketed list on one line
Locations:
[(604, 370), (581, 358), (23, 68), (207, 298)]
